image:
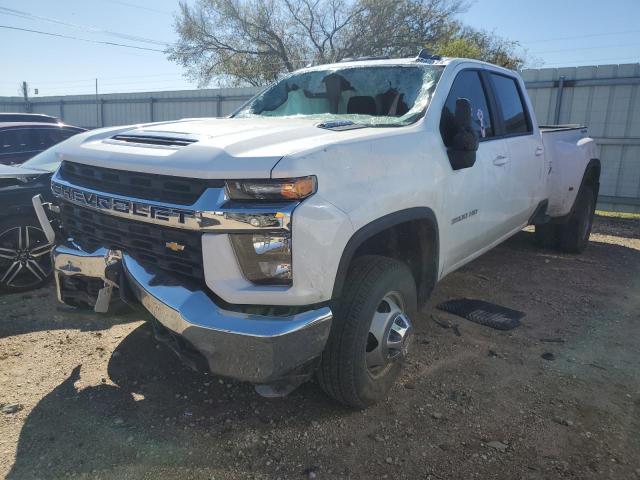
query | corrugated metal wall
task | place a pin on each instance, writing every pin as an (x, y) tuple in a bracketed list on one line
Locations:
[(130, 108), (605, 98)]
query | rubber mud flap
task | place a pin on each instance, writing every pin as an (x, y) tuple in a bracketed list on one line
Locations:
[(484, 313)]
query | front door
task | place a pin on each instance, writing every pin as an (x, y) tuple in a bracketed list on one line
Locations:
[(474, 199)]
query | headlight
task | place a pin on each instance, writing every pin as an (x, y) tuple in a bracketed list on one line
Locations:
[(272, 189), (264, 258)]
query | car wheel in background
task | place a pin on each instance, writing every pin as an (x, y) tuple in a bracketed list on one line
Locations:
[(25, 260)]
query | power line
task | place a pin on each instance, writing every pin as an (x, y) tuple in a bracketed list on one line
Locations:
[(133, 5), (117, 85), (635, 59), (85, 80), (579, 36), (113, 44), (30, 16), (588, 48)]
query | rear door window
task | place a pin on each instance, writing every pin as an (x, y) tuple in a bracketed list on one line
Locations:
[(467, 85), (43, 138), (14, 141), (511, 105), (67, 132)]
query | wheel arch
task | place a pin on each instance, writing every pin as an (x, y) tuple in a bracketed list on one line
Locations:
[(590, 177), (412, 227)]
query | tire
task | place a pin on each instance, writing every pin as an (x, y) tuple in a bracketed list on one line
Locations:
[(573, 236), (25, 260), (349, 370)]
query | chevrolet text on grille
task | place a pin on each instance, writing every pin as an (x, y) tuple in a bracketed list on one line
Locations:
[(128, 207), (220, 219)]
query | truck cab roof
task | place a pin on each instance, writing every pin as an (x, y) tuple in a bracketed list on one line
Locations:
[(390, 62)]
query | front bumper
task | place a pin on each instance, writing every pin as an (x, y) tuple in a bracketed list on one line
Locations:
[(256, 348)]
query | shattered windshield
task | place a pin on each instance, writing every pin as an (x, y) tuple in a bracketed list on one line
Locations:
[(373, 96)]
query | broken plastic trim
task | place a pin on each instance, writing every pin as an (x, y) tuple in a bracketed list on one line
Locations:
[(340, 125)]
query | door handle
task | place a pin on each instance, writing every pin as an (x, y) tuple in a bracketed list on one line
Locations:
[(539, 151), (500, 160)]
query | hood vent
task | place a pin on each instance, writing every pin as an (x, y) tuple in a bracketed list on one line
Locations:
[(160, 141)]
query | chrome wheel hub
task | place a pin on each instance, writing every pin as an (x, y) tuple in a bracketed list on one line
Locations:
[(389, 336), (24, 257)]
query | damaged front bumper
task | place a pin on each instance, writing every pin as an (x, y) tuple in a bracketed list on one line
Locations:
[(260, 349)]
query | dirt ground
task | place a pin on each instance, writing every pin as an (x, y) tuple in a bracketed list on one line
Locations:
[(100, 399)]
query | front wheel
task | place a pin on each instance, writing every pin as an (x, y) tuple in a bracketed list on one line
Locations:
[(371, 332), (25, 261)]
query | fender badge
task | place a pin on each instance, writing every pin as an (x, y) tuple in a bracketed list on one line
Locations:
[(174, 246)]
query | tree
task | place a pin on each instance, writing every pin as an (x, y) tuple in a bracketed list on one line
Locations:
[(255, 41), (467, 42)]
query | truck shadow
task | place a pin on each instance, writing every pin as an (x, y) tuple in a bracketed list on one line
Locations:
[(153, 412)]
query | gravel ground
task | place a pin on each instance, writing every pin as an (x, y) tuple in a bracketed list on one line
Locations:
[(98, 398)]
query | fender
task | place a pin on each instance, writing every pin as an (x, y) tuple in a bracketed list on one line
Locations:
[(593, 165), (430, 265)]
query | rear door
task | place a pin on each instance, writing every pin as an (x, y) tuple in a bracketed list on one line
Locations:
[(525, 149)]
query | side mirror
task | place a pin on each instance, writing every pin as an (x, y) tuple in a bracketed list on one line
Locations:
[(464, 142)]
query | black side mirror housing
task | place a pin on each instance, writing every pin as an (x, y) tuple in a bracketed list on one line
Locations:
[(464, 142)]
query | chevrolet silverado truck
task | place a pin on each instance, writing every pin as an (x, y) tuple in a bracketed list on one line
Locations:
[(302, 234)]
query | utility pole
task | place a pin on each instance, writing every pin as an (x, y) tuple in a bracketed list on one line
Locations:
[(97, 106), (25, 94)]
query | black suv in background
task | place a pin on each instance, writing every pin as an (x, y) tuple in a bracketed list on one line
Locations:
[(25, 260), (19, 141)]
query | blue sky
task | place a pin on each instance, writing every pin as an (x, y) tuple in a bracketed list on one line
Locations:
[(554, 32)]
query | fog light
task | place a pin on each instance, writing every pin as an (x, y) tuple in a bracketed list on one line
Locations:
[(264, 258)]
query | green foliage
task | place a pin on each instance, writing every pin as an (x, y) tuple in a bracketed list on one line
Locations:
[(255, 41), (466, 42), (459, 47)]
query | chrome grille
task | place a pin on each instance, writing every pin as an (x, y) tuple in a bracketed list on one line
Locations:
[(147, 243)]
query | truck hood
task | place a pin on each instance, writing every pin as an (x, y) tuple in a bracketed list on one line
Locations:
[(202, 148)]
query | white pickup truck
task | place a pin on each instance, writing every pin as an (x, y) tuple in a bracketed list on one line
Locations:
[(303, 234)]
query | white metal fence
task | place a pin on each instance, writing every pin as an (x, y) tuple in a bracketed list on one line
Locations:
[(605, 98)]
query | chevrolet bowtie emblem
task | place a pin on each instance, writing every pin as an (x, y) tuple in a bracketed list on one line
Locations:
[(174, 246)]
